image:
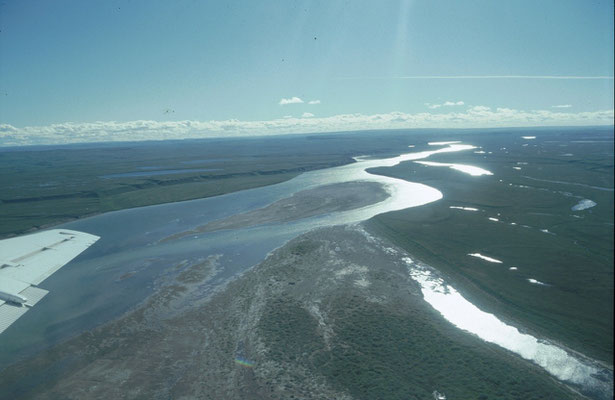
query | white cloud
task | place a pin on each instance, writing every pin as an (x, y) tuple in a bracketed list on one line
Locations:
[(307, 115), (562, 106), (292, 100), (473, 117), (445, 104), (314, 102)]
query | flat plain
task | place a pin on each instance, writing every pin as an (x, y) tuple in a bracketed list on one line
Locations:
[(47, 185), (530, 197), (334, 313)]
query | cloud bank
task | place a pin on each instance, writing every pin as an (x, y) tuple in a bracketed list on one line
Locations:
[(111, 131)]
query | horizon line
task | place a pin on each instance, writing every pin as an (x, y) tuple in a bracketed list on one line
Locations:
[(560, 77)]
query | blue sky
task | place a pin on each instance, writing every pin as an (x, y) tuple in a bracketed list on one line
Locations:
[(99, 69)]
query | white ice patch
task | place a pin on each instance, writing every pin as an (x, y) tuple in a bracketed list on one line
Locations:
[(513, 268), (535, 282), (464, 208), (478, 255), (480, 152), (493, 219), (468, 169), (583, 205), (517, 168), (528, 137)]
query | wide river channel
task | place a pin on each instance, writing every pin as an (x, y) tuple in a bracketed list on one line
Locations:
[(94, 289)]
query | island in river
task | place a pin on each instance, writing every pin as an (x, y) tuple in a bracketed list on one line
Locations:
[(304, 204)]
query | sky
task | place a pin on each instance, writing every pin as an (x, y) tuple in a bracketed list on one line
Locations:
[(79, 71)]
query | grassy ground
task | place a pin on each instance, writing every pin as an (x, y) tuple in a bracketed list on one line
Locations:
[(331, 314), (47, 185), (574, 259)]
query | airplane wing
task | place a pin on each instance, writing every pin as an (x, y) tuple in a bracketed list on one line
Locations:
[(28, 260)]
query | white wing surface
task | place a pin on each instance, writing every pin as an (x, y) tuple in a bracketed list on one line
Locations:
[(26, 261)]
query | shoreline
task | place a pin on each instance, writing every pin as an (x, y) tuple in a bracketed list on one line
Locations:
[(247, 186), (321, 200), (84, 216), (36, 199), (466, 283), (296, 305)]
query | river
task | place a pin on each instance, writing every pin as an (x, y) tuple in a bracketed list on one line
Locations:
[(95, 287)]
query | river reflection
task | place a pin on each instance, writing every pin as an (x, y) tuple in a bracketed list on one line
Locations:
[(468, 169), (590, 379), (129, 261), (130, 246)]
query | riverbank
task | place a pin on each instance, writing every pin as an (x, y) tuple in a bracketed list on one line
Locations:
[(47, 186), (532, 229), (555, 275), (331, 314)]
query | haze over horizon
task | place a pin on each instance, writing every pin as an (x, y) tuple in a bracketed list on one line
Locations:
[(134, 70)]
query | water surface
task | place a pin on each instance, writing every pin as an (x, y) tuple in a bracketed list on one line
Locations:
[(130, 260)]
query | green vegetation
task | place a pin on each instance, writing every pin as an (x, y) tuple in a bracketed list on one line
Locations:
[(398, 348), (294, 337), (308, 329), (47, 185), (574, 258), (396, 353), (333, 312)]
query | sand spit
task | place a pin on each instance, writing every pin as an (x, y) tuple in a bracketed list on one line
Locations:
[(306, 203)]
